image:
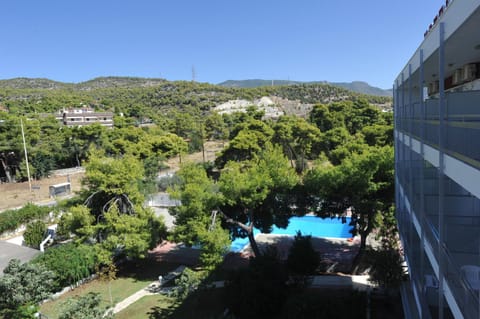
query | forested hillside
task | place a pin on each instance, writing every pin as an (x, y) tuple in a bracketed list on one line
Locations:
[(180, 111), (141, 97), (338, 157)]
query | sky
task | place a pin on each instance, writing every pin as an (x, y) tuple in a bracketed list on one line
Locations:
[(301, 40)]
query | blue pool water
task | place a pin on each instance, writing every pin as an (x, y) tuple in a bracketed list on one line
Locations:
[(308, 225)]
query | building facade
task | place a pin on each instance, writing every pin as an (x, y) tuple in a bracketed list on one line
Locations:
[(85, 116), (437, 166)]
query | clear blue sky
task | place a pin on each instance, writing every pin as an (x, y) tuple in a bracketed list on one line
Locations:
[(304, 40)]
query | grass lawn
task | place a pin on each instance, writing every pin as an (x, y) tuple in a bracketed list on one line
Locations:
[(145, 306), (200, 305), (131, 278)]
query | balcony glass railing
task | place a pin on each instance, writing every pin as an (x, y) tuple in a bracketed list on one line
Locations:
[(462, 120), (466, 298)]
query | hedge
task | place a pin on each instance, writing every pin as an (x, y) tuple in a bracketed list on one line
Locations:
[(12, 219), (70, 262)]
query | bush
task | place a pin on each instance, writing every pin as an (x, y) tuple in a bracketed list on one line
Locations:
[(387, 270), (70, 262), (25, 283), (187, 283), (12, 219), (302, 260), (86, 306), (35, 233)]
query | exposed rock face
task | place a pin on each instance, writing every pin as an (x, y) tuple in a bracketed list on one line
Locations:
[(273, 106)]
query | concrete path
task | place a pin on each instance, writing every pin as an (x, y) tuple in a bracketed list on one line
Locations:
[(154, 288), (135, 297)]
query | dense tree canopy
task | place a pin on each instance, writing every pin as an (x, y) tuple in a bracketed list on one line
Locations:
[(25, 283), (362, 182)]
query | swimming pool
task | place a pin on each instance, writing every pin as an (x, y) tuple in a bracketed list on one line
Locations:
[(308, 225)]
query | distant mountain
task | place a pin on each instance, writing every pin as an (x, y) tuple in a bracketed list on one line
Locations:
[(33, 83), (253, 83), (363, 87), (356, 86), (120, 82), (97, 83)]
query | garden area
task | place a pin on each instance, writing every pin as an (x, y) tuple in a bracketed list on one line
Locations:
[(131, 277)]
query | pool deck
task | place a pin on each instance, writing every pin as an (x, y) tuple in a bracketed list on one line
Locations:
[(336, 254)]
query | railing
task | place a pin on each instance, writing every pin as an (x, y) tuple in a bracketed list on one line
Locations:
[(466, 298), (462, 138)]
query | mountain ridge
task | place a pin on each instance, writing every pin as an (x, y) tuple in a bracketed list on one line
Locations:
[(355, 86), (130, 81)]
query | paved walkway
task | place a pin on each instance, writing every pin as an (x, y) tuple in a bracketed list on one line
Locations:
[(153, 288), (132, 299)]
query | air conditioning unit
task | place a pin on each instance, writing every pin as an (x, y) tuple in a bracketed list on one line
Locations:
[(469, 72), (433, 87), (457, 77)]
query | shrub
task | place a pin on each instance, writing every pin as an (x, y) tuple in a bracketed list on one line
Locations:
[(302, 260), (86, 306), (187, 283), (387, 270), (12, 219), (25, 283), (35, 233), (70, 262)]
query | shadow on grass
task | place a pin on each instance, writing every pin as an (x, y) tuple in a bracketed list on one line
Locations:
[(202, 304), (147, 269), (159, 312)]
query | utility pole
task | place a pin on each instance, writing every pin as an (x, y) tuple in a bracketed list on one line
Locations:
[(193, 73), (26, 156)]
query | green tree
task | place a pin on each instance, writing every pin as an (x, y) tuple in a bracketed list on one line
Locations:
[(113, 181), (35, 233), (363, 182), (196, 222), (378, 135), (255, 194), (78, 220), (122, 225), (302, 259), (25, 283), (85, 307), (215, 127), (324, 119), (297, 138), (108, 273), (247, 140)]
